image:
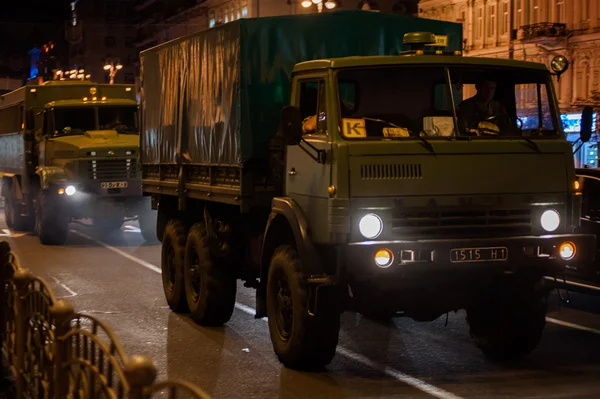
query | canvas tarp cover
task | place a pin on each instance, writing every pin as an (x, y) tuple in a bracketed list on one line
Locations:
[(215, 97)]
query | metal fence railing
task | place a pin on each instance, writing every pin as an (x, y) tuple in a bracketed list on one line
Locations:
[(53, 352)]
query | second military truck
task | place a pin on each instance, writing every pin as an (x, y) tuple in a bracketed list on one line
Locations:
[(69, 150), (325, 164)]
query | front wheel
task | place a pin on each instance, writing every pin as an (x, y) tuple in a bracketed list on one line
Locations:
[(507, 321), (299, 339), (51, 223)]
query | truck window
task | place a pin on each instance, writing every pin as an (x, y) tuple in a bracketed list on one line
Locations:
[(313, 104), (527, 96), (409, 100), (122, 119), (76, 120)]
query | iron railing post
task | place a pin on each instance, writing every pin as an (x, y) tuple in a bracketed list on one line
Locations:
[(140, 373), (62, 312), (4, 276), (21, 279)]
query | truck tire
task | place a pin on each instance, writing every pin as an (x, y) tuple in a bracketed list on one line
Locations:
[(51, 224), (8, 212), (172, 257), (210, 285), (147, 220), (508, 321), (301, 341), (17, 221)]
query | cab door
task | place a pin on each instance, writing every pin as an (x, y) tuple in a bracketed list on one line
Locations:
[(307, 179)]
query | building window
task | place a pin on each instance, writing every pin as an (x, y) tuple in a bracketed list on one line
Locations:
[(582, 81), (520, 17), (110, 41), (492, 27), (560, 11), (505, 18), (211, 18), (244, 11), (585, 10), (479, 31), (111, 8)]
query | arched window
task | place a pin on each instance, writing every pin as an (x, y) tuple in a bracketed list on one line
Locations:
[(582, 79)]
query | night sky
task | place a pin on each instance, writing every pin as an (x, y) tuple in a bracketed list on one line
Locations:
[(35, 11)]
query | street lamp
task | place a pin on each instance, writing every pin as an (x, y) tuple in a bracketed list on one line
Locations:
[(329, 4), (112, 67)]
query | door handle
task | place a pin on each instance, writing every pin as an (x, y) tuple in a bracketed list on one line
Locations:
[(292, 172)]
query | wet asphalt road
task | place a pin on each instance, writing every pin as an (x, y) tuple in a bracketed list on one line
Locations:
[(118, 281)]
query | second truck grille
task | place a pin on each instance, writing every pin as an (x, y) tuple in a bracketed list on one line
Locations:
[(112, 170)]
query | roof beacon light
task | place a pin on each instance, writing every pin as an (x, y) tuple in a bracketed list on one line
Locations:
[(418, 40)]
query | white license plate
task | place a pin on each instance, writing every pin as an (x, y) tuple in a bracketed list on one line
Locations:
[(493, 254), (114, 184)]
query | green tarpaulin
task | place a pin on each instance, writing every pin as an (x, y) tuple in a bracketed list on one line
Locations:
[(214, 97)]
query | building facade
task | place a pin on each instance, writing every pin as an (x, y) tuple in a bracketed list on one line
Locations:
[(101, 32), (162, 20), (537, 30)]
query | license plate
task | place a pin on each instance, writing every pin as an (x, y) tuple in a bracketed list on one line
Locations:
[(114, 184), (492, 254)]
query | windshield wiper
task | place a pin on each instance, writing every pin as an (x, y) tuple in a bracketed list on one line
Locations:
[(426, 143), (527, 139), (533, 143)]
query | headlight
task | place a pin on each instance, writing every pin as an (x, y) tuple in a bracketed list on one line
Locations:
[(70, 190), (370, 226), (550, 220)]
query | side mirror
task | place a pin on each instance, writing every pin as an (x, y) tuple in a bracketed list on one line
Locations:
[(291, 125), (30, 119), (587, 118), (559, 65)]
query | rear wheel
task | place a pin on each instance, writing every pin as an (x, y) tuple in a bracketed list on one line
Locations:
[(8, 205), (147, 220), (17, 221), (210, 283), (507, 321), (172, 258), (51, 223), (299, 339)]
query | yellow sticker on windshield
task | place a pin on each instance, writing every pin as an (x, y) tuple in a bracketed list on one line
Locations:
[(395, 132), (354, 128)]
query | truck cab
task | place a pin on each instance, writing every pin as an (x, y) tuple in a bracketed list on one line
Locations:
[(75, 156), (441, 182)]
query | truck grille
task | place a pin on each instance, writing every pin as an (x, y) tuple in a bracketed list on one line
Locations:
[(451, 224), (112, 170)]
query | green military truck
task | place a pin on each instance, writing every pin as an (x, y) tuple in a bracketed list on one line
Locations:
[(387, 205), (69, 150)]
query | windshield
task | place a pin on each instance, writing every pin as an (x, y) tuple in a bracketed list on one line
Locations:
[(69, 121), (405, 101), (122, 119)]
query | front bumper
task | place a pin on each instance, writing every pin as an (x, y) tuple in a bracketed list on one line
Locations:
[(450, 256), (91, 196)]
